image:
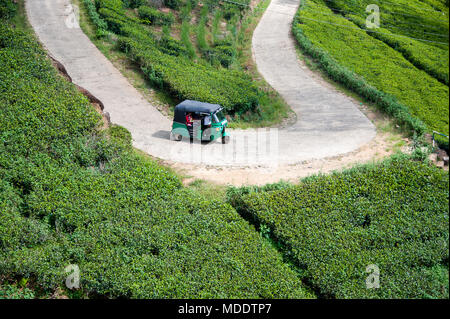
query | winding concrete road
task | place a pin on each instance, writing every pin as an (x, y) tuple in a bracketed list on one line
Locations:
[(329, 123)]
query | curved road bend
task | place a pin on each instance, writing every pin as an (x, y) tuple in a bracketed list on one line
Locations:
[(329, 123)]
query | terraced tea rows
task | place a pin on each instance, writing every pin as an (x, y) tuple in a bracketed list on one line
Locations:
[(406, 58), (391, 217)]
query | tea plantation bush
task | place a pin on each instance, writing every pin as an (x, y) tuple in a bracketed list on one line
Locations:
[(100, 24), (372, 68), (71, 194), (153, 16), (174, 4), (134, 3), (14, 292), (400, 23), (180, 76), (394, 215), (433, 60), (7, 9)]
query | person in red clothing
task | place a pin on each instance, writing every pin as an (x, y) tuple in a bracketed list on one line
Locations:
[(189, 124), (189, 119)]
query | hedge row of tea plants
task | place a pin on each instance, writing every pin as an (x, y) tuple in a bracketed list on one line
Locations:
[(431, 59), (72, 194), (427, 20), (394, 215), (153, 16), (372, 68), (135, 3), (100, 24), (173, 4), (179, 75), (404, 22)]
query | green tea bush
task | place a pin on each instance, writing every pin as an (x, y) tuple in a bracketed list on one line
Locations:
[(7, 9), (72, 194), (122, 24), (433, 60), (153, 16), (171, 46), (173, 4), (99, 23), (134, 3), (225, 53), (115, 5), (13, 292), (372, 68), (120, 135), (394, 214)]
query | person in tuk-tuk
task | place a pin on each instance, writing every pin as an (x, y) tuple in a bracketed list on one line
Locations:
[(207, 122), (189, 119), (189, 124)]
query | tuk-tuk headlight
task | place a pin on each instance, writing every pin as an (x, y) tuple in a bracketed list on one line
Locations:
[(218, 129)]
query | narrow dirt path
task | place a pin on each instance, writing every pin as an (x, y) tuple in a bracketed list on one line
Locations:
[(329, 124)]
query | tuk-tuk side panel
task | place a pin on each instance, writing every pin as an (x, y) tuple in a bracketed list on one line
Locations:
[(182, 129), (179, 128)]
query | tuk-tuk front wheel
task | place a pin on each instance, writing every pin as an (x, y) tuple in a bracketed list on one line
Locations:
[(225, 139)]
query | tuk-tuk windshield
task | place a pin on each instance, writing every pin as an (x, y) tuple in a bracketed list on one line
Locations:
[(219, 116)]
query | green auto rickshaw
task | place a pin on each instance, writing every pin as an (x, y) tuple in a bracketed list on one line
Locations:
[(202, 121)]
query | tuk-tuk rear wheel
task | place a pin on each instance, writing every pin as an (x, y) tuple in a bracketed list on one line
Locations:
[(175, 137)]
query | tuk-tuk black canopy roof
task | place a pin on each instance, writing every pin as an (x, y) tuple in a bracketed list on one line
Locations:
[(193, 106)]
